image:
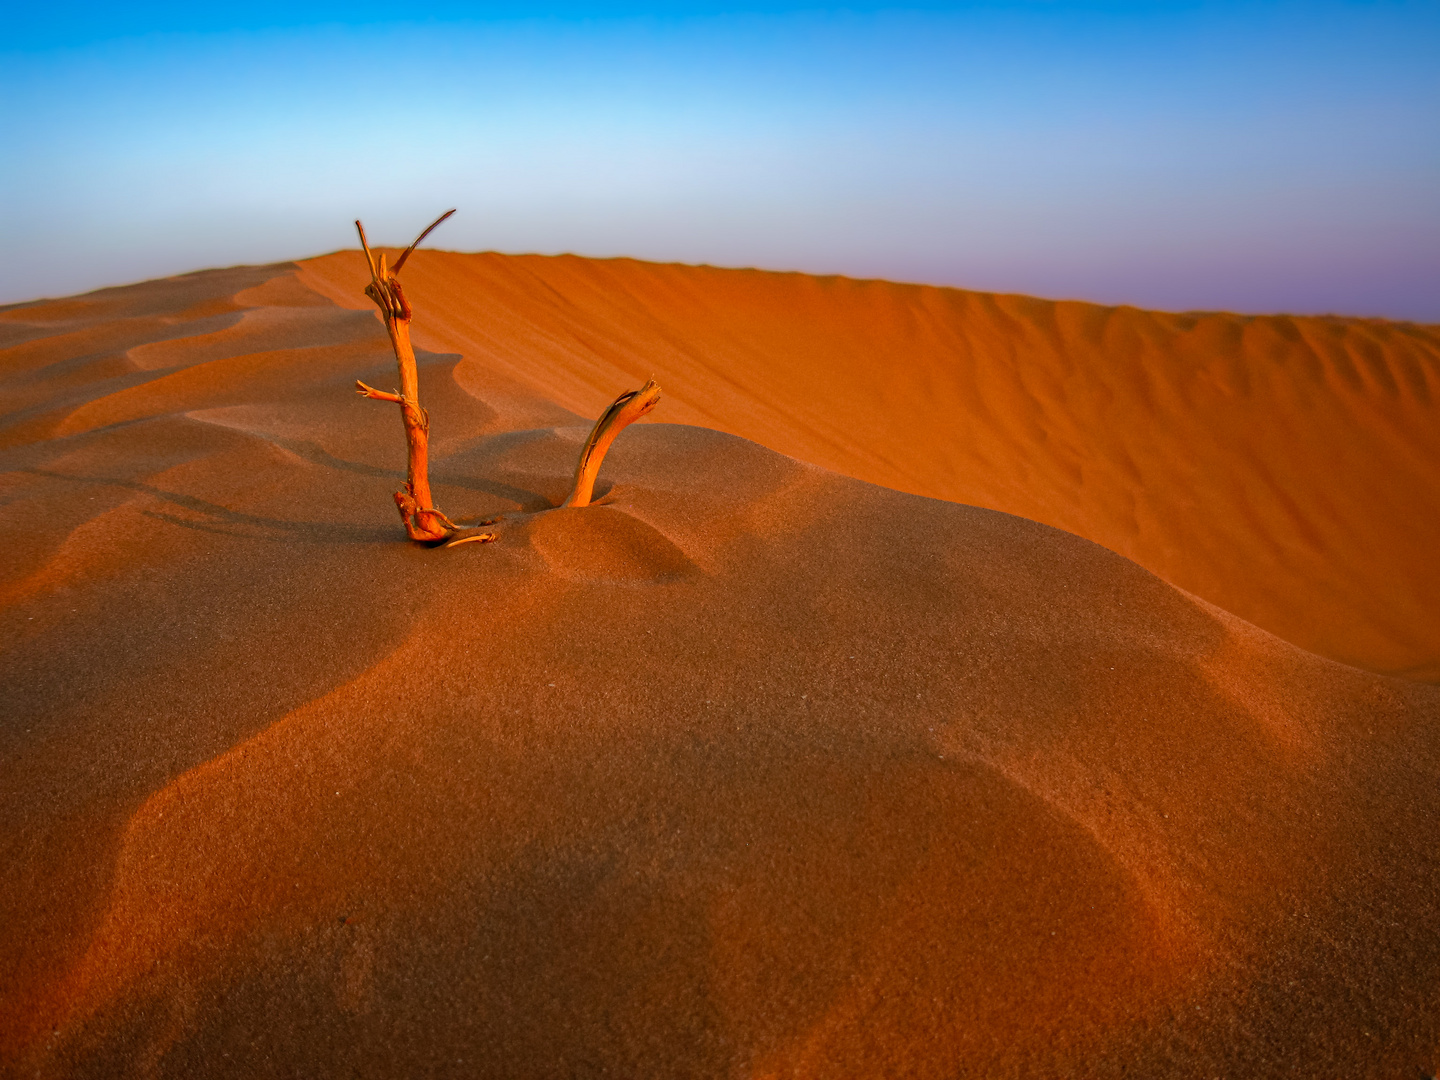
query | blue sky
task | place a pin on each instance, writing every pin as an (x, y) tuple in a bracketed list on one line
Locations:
[(1249, 156)]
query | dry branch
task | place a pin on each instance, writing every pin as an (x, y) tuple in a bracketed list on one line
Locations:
[(423, 520), (623, 411)]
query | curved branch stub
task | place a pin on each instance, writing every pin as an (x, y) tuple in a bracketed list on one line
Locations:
[(623, 412)]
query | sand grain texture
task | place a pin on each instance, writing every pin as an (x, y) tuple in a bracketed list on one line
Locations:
[(754, 769), (1284, 468)]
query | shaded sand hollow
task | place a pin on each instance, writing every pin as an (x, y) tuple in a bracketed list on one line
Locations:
[(755, 769)]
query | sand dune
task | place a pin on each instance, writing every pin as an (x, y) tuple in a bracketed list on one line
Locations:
[(756, 769), (1286, 469)]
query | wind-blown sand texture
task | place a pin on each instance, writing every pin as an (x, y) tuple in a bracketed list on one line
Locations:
[(1286, 469), (755, 769)]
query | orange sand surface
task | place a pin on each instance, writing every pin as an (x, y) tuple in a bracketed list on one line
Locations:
[(755, 769), (1286, 469)]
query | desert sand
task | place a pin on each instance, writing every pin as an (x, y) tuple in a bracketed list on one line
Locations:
[(843, 737), (1286, 469)]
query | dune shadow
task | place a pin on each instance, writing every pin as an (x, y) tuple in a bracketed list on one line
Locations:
[(223, 520)]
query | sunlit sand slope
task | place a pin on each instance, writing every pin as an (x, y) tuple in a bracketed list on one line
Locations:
[(752, 770), (1286, 469)]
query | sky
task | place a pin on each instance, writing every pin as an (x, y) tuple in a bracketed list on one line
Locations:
[(1247, 156)]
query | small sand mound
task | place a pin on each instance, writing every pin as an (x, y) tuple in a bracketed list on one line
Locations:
[(608, 545)]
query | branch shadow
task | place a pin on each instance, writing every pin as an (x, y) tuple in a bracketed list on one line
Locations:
[(221, 520), (525, 500)]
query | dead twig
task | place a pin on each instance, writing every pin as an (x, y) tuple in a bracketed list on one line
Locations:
[(624, 411), (423, 520), (473, 538)]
